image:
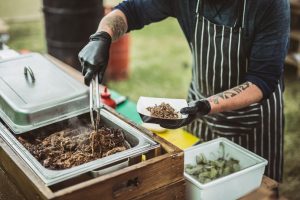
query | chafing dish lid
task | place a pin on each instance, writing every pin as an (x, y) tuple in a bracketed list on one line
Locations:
[(34, 92)]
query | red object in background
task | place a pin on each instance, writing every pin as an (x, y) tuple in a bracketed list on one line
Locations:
[(105, 98), (118, 65), (24, 51)]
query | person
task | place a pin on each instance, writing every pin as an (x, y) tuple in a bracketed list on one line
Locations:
[(238, 49)]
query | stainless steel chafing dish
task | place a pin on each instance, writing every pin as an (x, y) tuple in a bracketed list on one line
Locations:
[(34, 92), (29, 103)]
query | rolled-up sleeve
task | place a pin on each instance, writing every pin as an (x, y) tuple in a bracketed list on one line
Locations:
[(269, 47), (143, 12)]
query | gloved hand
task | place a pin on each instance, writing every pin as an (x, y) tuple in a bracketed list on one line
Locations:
[(94, 56), (194, 110)]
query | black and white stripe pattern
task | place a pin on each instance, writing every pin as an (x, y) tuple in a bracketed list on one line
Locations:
[(220, 64), (269, 135)]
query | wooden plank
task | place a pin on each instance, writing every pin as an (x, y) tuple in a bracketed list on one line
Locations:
[(265, 192), (8, 190), (21, 175), (175, 191), (269, 183), (130, 182)]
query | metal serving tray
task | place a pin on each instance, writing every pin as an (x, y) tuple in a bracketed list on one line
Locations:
[(139, 142), (34, 92)]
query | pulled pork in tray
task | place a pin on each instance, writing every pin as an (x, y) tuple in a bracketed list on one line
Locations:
[(68, 148)]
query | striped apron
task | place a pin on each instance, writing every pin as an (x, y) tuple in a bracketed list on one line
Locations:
[(220, 63)]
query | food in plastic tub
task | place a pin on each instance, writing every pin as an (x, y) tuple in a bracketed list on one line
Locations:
[(231, 186)]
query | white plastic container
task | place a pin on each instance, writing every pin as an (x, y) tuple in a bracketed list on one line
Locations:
[(232, 186)]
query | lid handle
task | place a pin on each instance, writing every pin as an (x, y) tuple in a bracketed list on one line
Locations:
[(27, 70)]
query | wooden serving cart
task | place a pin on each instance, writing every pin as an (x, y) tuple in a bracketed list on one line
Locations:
[(159, 176)]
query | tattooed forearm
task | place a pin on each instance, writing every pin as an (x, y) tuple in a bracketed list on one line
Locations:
[(229, 93), (115, 24), (235, 98)]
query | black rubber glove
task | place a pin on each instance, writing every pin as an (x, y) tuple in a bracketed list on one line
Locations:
[(94, 56), (194, 110)]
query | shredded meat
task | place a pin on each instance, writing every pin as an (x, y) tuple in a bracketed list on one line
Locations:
[(69, 148), (164, 111)]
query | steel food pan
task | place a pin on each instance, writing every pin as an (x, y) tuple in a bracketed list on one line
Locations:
[(139, 143)]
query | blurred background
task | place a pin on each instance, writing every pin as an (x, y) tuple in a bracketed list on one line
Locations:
[(154, 61)]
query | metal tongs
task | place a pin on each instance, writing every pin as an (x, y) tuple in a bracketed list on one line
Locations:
[(95, 102)]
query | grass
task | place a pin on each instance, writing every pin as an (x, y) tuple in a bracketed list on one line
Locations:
[(20, 9), (291, 182), (156, 69), (27, 35), (160, 66)]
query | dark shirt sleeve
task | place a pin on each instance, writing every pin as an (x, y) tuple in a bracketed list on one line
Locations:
[(269, 47), (143, 12)]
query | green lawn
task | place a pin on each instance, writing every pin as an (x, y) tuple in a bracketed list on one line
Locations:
[(20, 9), (291, 185), (160, 63), (27, 35), (160, 66)]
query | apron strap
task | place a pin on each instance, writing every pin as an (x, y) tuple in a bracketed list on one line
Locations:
[(247, 39), (240, 15), (197, 6)]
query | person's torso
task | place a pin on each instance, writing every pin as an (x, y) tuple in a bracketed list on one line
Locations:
[(221, 13), (217, 35)]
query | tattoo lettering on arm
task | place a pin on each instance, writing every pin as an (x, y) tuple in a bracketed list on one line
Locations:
[(117, 25), (229, 93)]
